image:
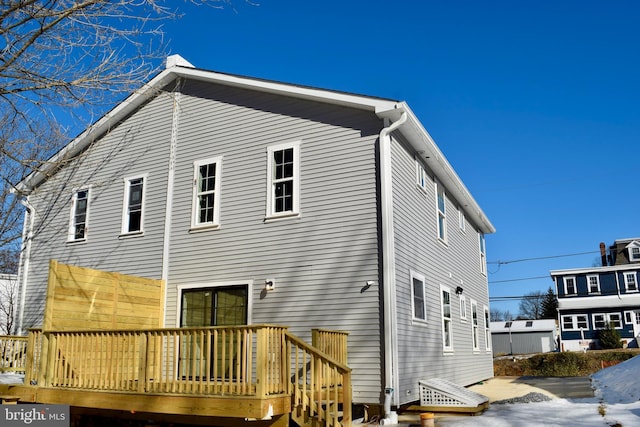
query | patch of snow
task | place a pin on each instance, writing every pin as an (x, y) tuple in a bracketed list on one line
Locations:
[(10, 378), (617, 394)]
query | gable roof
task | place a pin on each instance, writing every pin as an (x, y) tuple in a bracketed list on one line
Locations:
[(178, 68)]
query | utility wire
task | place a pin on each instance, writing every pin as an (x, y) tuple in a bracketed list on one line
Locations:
[(498, 262), (520, 279)]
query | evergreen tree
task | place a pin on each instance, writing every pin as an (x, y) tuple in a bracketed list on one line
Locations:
[(549, 305)]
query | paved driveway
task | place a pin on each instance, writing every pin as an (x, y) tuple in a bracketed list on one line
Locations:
[(500, 388)]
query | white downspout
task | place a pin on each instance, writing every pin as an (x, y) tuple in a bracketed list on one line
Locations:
[(25, 257), (170, 181), (388, 267)]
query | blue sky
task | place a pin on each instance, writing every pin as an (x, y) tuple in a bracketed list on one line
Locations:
[(535, 104)]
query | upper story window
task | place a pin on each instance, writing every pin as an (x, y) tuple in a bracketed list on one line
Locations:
[(283, 180), (570, 286), (631, 281), (634, 253), (419, 303), (133, 211), (421, 176), (79, 216), (483, 253), (593, 282), (462, 221), (441, 212), (206, 192), (447, 333)]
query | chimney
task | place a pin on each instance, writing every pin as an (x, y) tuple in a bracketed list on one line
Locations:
[(603, 254)]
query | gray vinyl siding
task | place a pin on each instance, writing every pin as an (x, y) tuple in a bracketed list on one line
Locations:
[(138, 146), (320, 260), (451, 264)]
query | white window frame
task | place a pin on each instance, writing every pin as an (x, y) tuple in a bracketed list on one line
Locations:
[(272, 181), (422, 178), (463, 308), (575, 285), (125, 205), (462, 220), (487, 328), (627, 275), (575, 322), (197, 193), (596, 283), (447, 319), (632, 317), (482, 243), (441, 214), (634, 253), (607, 319), (71, 234), (418, 277), (475, 337)]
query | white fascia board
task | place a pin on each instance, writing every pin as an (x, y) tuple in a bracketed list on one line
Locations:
[(426, 148), (301, 92), (598, 302), (608, 269)]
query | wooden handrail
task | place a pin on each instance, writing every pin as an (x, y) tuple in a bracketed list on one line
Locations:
[(320, 383)]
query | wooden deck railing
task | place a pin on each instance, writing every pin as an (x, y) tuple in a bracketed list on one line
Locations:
[(255, 360), (13, 353)]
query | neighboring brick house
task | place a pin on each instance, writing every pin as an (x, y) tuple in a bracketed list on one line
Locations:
[(590, 298)]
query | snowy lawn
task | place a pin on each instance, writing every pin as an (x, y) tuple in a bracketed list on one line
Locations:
[(617, 396)]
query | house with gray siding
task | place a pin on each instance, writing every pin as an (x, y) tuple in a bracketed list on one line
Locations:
[(263, 202)]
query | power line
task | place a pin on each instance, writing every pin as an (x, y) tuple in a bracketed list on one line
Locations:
[(520, 279), (498, 262)]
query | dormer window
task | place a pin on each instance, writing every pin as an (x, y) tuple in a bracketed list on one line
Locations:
[(634, 253)]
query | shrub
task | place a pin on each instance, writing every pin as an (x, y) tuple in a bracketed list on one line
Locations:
[(609, 337)]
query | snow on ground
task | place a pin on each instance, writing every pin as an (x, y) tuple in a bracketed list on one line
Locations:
[(617, 394)]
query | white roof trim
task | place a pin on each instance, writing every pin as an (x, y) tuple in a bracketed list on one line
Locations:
[(599, 302), (608, 269)]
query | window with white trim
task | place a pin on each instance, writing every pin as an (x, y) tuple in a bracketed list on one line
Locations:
[(421, 176), (445, 305), (632, 317), (474, 325), (631, 281), (79, 216), (487, 328), (593, 282), (600, 320), (133, 211), (463, 308), (634, 253), (574, 322), (206, 193), (483, 253), (441, 212), (283, 170), (418, 300), (569, 285)]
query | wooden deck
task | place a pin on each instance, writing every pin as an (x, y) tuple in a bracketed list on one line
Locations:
[(256, 372)]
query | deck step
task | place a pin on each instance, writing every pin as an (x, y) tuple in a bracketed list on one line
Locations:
[(9, 400)]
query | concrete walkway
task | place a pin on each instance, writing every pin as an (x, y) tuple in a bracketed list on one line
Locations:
[(500, 388)]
